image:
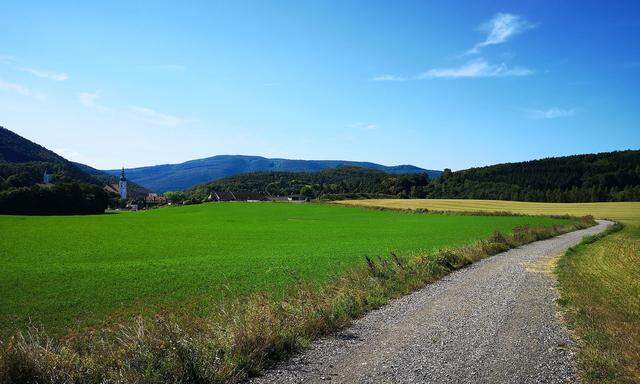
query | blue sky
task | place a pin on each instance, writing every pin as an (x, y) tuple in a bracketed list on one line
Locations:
[(434, 84)]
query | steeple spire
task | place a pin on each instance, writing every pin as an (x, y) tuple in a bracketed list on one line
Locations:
[(122, 185)]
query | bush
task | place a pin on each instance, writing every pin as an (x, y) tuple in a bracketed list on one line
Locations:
[(57, 199)]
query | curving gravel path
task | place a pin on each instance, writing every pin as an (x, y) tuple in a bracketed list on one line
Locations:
[(492, 322)]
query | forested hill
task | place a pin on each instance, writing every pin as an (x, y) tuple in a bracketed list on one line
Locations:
[(613, 176), (609, 176), (341, 182), (177, 177), (23, 163), (22, 166)]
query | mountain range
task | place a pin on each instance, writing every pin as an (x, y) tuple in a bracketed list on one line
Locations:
[(176, 177)]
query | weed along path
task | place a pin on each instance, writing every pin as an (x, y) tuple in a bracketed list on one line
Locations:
[(492, 322)]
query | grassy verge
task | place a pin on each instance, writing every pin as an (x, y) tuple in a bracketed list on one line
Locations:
[(599, 281), (244, 336)]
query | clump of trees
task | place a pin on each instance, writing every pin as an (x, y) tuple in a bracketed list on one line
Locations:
[(54, 199), (323, 184)]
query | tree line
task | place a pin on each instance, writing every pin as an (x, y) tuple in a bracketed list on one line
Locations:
[(54, 199), (323, 184)]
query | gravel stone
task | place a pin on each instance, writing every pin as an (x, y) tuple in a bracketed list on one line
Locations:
[(495, 321)]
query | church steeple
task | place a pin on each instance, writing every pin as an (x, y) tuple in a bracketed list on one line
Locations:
[(122, 185)]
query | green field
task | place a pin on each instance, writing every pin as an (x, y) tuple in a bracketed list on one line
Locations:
[(78, 270)]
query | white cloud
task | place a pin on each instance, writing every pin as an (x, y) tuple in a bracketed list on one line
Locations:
[(501, 28), (89, 100), (363, 126), (388, 77), (550, 113), (22, 90), (151, 116), (476, 68), (46, 74)]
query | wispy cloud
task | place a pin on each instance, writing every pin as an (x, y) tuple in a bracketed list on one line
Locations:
[(476, 68), (22, 90), (89, 100), (154, 117), (388, 77), (46, 74), (550, 113), (500, 29), (43, 73), (363, 126)]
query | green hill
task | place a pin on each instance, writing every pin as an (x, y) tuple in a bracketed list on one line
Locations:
[(22, 167), (23, 163), (178, 177)]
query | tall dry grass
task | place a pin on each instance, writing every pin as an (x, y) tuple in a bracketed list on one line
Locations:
[(245, 336)]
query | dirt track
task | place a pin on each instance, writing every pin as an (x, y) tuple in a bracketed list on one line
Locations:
[(493, 322)]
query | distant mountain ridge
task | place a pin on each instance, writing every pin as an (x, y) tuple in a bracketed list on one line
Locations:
[(176, 177)]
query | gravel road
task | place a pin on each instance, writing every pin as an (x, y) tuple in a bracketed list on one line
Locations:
[(492, 322)]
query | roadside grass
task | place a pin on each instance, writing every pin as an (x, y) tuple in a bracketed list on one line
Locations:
[(246, 335), (599, 281), (80, 271)]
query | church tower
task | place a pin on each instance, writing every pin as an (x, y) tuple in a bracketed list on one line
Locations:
[(122, 186)]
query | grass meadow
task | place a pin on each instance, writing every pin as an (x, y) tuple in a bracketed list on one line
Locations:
[(219, 291), (599, 281), (78, 271)]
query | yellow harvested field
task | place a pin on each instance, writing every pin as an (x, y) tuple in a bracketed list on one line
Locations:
[(623, 211)]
